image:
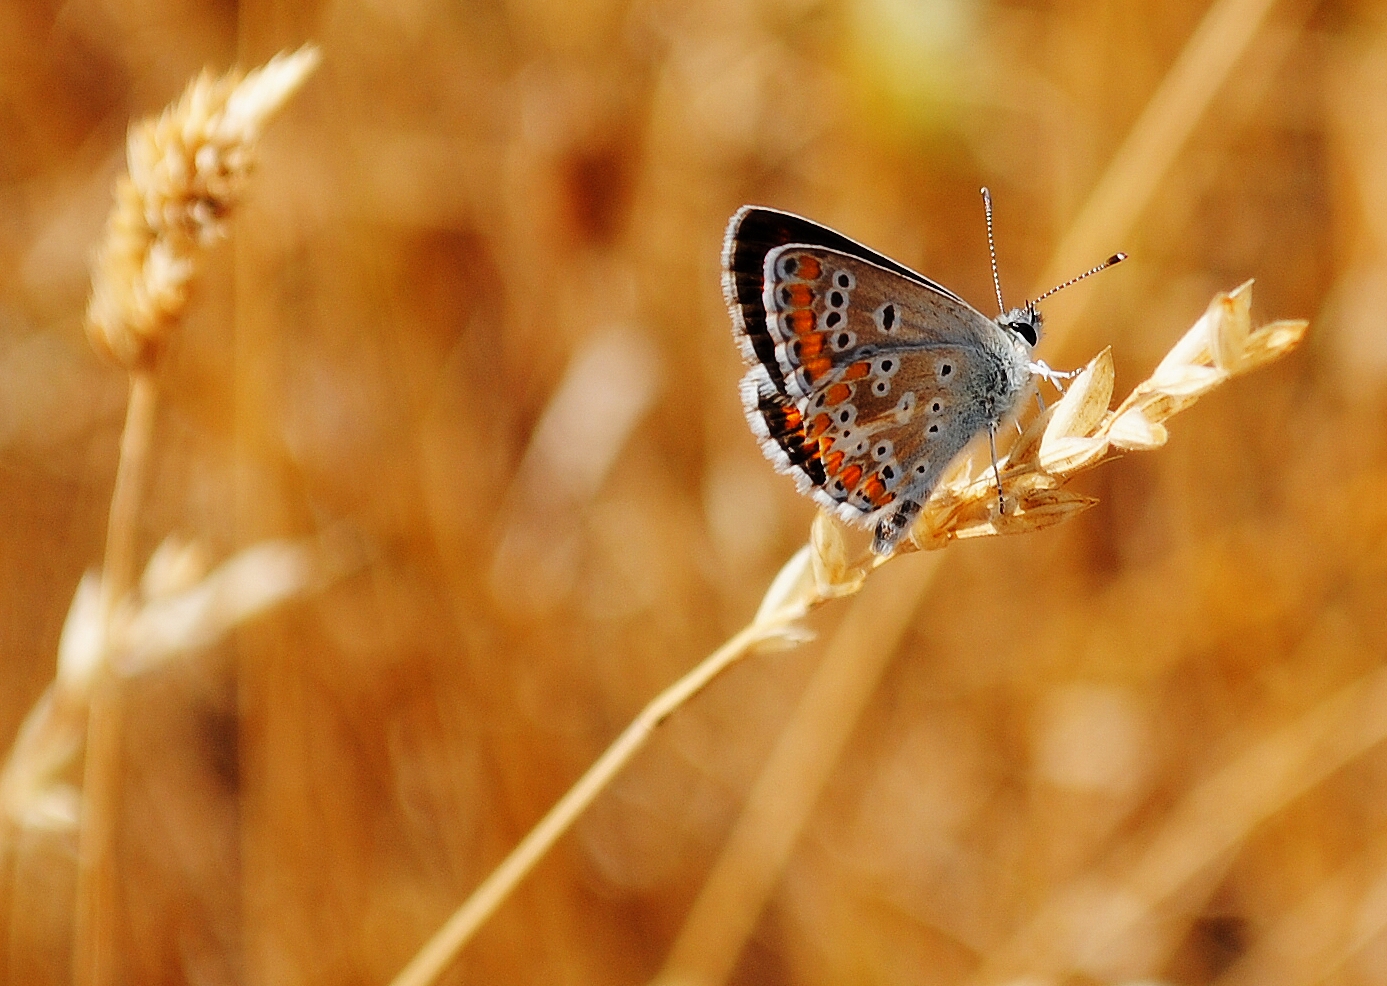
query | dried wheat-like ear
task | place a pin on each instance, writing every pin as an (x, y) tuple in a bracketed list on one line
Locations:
[(181, 607), (188, 168)]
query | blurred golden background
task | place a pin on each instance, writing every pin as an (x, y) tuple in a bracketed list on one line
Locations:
[(470, 314)]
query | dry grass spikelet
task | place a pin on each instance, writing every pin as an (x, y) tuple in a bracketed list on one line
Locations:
[(184, 606), (1080, 431), (188, 168)]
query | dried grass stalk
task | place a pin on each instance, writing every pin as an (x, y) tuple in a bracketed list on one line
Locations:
[(187, 170), (1075, 434)]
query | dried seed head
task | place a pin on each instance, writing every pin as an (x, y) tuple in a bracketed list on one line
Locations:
[(187, 169), (1079, 431)]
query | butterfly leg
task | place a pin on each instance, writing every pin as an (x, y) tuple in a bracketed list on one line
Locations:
[(996, 472), (1042, 369)]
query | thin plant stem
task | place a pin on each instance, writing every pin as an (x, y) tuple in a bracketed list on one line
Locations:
[(805, 756), (118, 569), (93, 962), (1076, 433), (94, 932), (439, 952)]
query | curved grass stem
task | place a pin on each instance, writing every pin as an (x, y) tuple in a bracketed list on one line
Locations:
[(94, 933), (438, 953)]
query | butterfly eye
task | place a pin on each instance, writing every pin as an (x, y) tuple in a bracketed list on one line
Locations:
[(1026, 322)]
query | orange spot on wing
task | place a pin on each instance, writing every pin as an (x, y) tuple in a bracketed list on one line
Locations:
[(801, 321), (811, 345), (857, 371), (818, 425), (816, 367), (796, 295), (875, 491), (836, 394), (833, 462), (809, 268), (851, 475)]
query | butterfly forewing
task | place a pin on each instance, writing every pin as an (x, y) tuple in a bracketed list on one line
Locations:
[(823, 307)]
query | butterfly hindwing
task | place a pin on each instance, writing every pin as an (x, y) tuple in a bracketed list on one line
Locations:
[(887, 434)]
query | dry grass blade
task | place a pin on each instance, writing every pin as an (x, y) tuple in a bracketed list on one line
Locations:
[(1074, 434), (181, 609), (1113, 207)]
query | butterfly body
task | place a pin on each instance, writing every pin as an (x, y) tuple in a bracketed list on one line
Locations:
[(865, 379)]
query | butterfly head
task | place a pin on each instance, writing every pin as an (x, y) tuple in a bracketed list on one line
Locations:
[(1025, 323)]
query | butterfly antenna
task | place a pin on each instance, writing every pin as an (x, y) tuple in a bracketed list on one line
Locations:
[(1112, 261), (992, 249)]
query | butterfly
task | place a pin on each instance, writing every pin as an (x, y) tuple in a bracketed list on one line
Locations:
[(864, 378)]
